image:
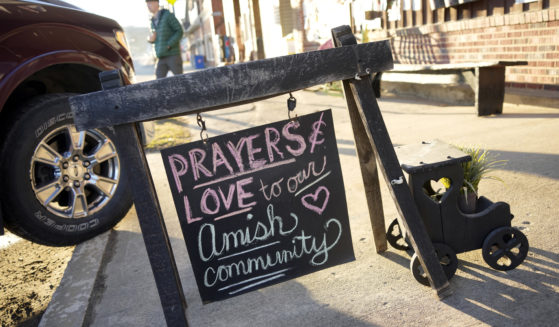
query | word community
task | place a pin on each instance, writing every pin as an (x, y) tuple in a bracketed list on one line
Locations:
[(262, 205)]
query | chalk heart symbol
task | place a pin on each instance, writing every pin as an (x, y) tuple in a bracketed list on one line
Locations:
[(311, 201)]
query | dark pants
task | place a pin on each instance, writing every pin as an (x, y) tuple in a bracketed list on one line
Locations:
[(164, 64)]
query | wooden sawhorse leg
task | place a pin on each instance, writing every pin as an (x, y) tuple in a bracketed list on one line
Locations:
[(369, 172), (373, 125), (154, 232), (153, 228)]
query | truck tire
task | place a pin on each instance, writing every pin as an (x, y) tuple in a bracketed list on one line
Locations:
[(60, 186)]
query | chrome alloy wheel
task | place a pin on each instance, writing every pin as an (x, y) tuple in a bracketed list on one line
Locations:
[(74, 174)]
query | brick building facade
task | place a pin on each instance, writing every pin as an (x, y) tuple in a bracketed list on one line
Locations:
[(482, 30), (420, 31)]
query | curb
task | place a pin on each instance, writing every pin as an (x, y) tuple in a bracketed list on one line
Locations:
[(70, 302)]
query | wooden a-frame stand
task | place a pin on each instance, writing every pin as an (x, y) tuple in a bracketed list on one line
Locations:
[(217, 88)]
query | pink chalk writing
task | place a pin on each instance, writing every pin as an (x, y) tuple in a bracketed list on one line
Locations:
[(253, 162), (175, 159), (219, 180), (188, 211), (311, 201), (316, 132), (227, 200), (294, 137), (197, 156), (242, 195), (206, 162), (234, 213), (272, 139), (214, 201), (222, 160), (236, 152)]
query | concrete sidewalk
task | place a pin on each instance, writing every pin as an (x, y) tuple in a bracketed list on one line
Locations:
[(109, 281)]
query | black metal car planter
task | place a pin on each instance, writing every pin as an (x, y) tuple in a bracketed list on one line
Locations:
[(451, 230)]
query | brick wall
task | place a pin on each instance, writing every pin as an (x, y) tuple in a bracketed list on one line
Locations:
[(531, 36)]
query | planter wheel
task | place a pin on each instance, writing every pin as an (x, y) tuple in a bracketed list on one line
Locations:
[(447, 258), (505, 248), (395, 238)]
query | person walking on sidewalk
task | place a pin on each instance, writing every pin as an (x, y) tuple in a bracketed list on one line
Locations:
[(166, 35)]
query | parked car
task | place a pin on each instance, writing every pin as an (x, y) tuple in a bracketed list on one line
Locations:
[(59, 186)]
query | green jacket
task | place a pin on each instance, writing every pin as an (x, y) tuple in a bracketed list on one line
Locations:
[(169, 33)]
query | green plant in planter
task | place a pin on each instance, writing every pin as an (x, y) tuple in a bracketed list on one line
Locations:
[(481, 165)]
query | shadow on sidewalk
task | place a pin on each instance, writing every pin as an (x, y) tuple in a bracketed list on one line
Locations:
[(542, 164), (126, 295), (525, 296), (526, 115)]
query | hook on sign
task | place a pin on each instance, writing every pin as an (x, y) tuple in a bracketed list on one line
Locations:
[(202, 125), (291, 104)]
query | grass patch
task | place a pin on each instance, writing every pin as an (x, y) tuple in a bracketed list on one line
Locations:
[(334, 89), (170, 132)]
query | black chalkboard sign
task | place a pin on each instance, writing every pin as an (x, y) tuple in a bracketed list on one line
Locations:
[(262, 205)]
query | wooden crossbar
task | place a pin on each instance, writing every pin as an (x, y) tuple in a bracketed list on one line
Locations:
[(227, 86)]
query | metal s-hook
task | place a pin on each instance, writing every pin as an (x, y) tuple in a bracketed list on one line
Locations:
[(202, 125), (291, 104)]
